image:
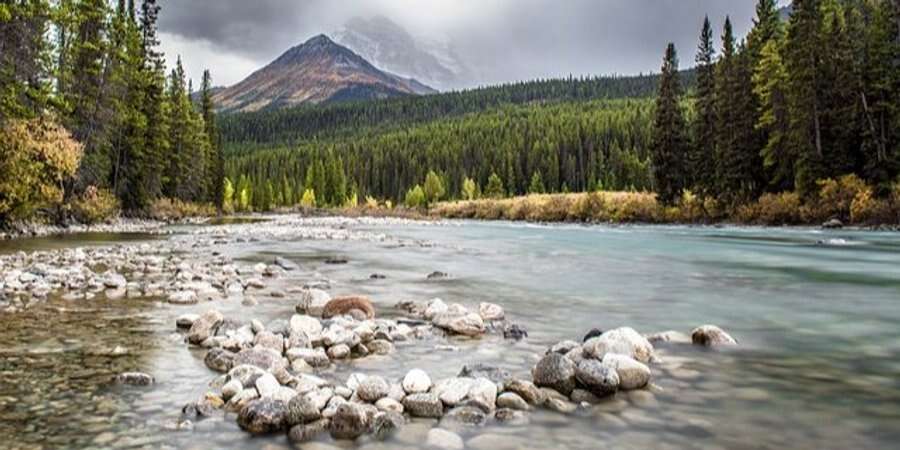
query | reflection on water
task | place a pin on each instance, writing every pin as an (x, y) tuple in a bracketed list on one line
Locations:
[(819, 364)]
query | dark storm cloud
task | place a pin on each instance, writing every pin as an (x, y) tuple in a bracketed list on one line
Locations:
[(503, 39)]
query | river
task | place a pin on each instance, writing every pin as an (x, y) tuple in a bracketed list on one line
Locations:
[(816, 314)]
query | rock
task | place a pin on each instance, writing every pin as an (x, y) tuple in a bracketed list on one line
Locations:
[(134, 379), (219, 359), (343, 305), (632, 373), (598, 379), (435, 307), (416, 381), (340, 351), (310, 326), (580, 396), (483, 394), (271, 341), (264, 358), (466, 415), (205, 326), (423, 405), (337, 334), (561, 406), (185, 321), (493, 373), (711, 336), (595, 332), (563, 347), (302, 410), (490, 311), (452, 391), (315, 357), (443, 439), (246, 374), (527, 390), (466, 325), (308, 432), (313, 301), (386, 423), (285, 264), (349, 422), (298, 340), (623, 341), (267, 385), (388, 404), (380, 347), (373, 388), (511, 400), (555, 371), (231, 389), (256, 326), (437, 275), (183, 298), (833, 224), (514, 332), (263, 416), (241, 399), (377, 276), (675, 337), (510, 416), (112, 281)]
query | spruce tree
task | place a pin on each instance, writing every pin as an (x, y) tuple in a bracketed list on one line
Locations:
[(669, 145), (216, 162), (702, 161), (769, 80)]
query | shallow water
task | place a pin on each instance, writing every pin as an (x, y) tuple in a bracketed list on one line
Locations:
[(818, 365)]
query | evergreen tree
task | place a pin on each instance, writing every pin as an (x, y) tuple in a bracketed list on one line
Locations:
[(702, 161), (536, 186), (216, 161), (25, 63), (770, 79), (669, 144), (434, 187), (495, 187)]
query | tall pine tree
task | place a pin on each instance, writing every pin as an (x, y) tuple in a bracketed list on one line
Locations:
[(702, 161), (669, 145)]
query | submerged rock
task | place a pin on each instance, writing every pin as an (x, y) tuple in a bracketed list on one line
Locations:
[(623, 341), (675, 337), (833, 224), (443, 439), (514, 332), (632, 373), (308, 432), (205, 326), (711, 336), (416, 381), (555, 371), (219, 359), (134, 379), (527, 390), (598, 379), (423, 405), (263, 416)]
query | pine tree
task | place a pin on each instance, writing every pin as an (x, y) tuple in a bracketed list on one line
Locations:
[(669, 145), (25, 64), (769, 81), (434, 187), (495, 187), (536, 186), (216, 162), (702, 162)]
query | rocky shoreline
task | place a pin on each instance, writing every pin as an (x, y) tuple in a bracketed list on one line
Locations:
[(33, 230), (271, 381)]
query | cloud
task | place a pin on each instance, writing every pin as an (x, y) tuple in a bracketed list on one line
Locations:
[(505, 40)]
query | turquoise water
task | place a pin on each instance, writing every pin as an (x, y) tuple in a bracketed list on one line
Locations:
[(816, 314)]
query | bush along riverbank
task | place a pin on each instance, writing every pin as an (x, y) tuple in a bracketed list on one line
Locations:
[(845, 201), (271, 372)]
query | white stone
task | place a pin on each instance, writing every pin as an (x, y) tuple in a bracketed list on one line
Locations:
[(416, 381)]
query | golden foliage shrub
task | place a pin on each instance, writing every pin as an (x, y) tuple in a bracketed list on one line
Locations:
[(95, 206), (166, 209)]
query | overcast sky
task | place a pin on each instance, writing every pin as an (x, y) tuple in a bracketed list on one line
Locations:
[(506, 39)]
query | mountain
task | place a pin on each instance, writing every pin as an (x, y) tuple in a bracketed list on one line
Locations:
[(391, 47), (317, 71)]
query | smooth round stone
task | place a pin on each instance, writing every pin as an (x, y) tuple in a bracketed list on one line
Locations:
[(555, 371), (423, 405), (340, 351), (511, 400), (373, 388), (416, 381), (388, 404), (632, 374), (711, 336), (444, 439)]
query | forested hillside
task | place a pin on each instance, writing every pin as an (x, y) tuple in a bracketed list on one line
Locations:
[(241, 132), (89, 119)]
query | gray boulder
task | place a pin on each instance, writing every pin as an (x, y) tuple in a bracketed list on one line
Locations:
[(263, 416), (711, 336), (597, 378), (349, 422), (423, 405)]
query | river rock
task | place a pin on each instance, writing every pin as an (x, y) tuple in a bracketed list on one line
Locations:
[(219, 359), (183, 298), (466, 415), (490, 312), (302, 409), (483, 394), (373, 388), (264, 358), (267, 385), (263, 416), (469, 324), (595, 377), (675, 337), (833, 224), (443, 439), (134, 379), (310, 326), (561, 406), (246, 374), (315, 357), (344, 305), (269, 340), (514, 332), (527, 390), (285, 263), (511, 400), (386, 423), (231, 388), (555, 371), (388, 404), (349, 422), (416, 381), (510, 416), (380, 347), (185, 321), (623, 341), (435, 307), (423, 405), (711, 336), (563, 347), (308, 432), (632, 373), (452, 391), (493, 373), (241, 399), (205, 326), (341, 351), (313, 301), (112, 280)]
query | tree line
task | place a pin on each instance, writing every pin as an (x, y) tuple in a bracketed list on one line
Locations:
[(512, 150), (243, 132), (793, 104), (95, 70)]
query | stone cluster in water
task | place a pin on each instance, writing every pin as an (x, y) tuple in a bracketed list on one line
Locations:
[(269, 378)]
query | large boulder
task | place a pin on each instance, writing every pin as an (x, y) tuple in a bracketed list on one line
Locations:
[(600, 380), (262, 416), (555, 371), (205, 326), (264, 358), (423, 405), (349, 422), (632, 373), (312, 301), (344, 305), (469, 324), (711, 336), (220, 360), (624, 341), (302, 409)]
